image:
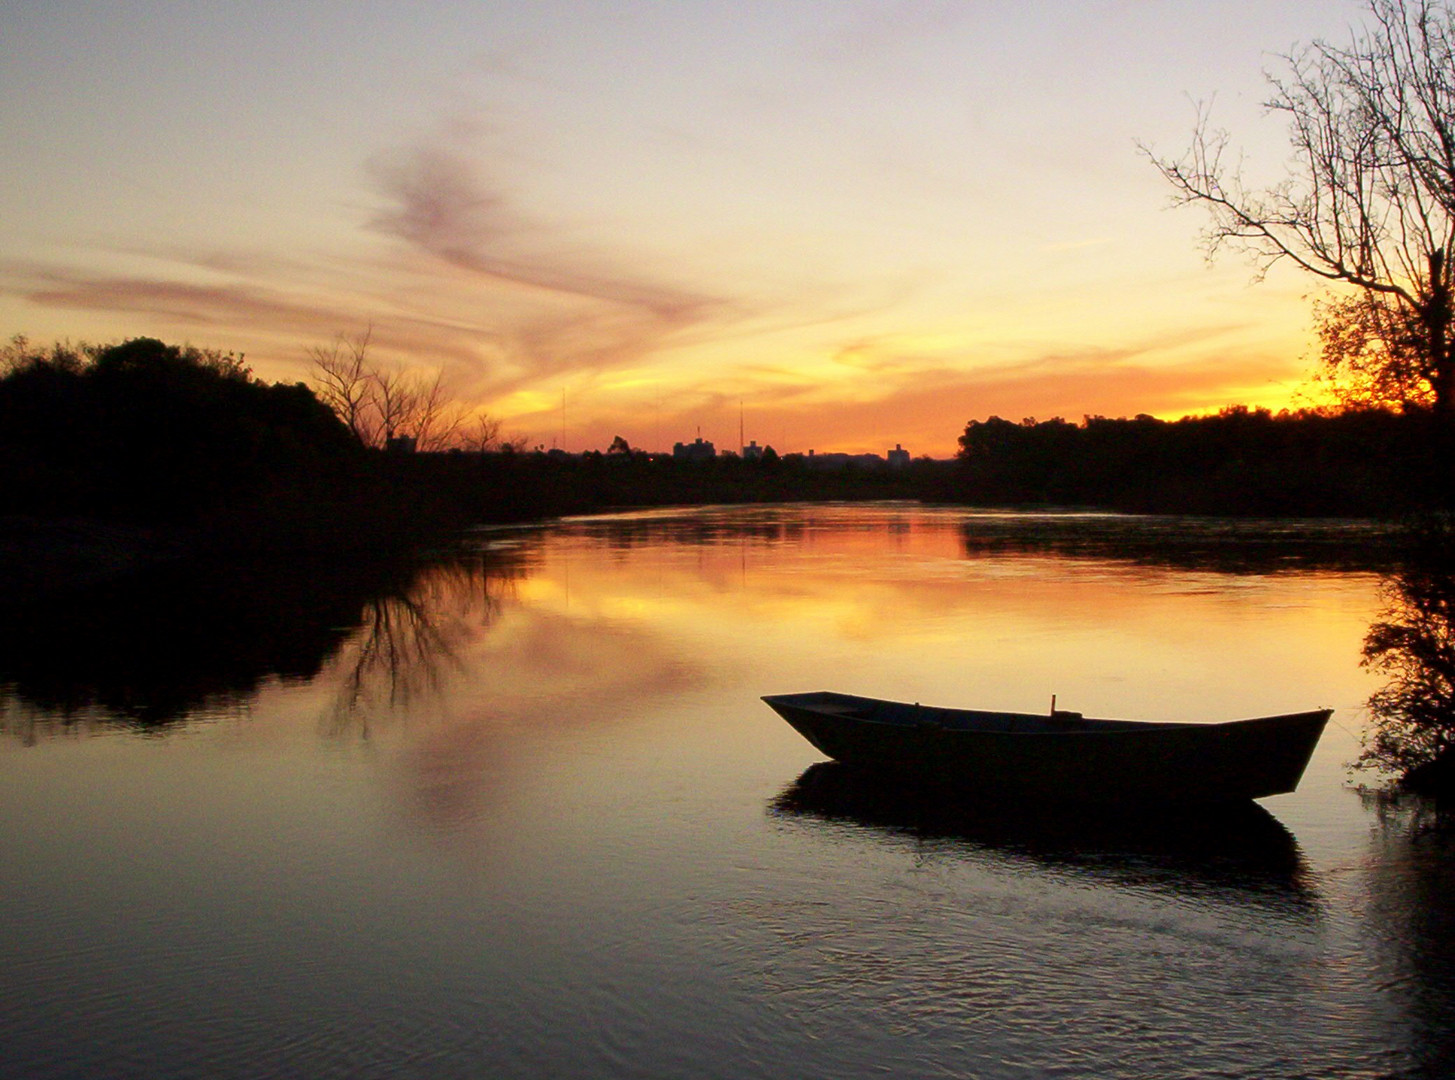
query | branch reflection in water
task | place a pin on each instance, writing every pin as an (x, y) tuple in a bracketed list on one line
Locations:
[(1231, 854), (409, 637), (1410, 865), (199, 640)]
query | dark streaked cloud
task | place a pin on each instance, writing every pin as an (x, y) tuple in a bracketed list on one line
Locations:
[(203, 305), (244, 316), (439, 203)]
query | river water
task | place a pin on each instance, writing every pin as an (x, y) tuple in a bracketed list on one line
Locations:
[(519, 812)]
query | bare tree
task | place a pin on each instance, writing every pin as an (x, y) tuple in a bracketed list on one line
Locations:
[(393, 398), (1368, 203), (415, 406), (381, 403), (437, 417), (343, 378), (483, 435)]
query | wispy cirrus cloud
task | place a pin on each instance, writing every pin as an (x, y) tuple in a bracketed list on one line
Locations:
[(438, 202), (275, 321), (505, 299), (202, 305)]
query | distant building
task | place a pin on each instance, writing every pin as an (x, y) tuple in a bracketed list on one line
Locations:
[(898, 457), (753, 452), (697, 450), (401, 444), (836, 462)]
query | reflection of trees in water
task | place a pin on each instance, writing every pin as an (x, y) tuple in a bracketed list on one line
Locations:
[(769, 526), (1228, 545), (1413, 645), (202, 638), (1410, 876), (409, 638), (1411, 864), (149, 649), (1235, 545), (1233, 854)]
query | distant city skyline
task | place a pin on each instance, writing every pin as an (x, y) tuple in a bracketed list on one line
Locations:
[(848, 224)]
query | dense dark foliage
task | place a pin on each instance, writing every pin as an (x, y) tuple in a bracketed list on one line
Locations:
[(144, 432), (1239, 462)]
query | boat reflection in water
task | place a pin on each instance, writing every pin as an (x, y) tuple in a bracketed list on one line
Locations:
[(1235, 852)]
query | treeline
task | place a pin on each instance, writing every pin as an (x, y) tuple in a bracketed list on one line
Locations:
[(597, 481), (1238, 462), (112, 454), (147, 433), (185, 442)]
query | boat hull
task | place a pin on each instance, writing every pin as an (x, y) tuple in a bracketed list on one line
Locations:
[(1062, 757)]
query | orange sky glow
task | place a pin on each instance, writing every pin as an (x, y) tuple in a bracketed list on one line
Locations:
[(843, 226)]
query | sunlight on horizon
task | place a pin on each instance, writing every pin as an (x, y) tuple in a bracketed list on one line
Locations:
[(851, 225)]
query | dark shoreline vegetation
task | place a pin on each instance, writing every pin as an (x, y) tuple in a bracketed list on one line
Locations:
[(183, 446), (119, 462), (90, 494)]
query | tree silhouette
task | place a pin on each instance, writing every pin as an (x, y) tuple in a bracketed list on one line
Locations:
[(380, 403), (150, 432), (1369, 201)]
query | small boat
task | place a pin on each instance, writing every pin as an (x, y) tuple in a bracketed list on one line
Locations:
[(1058, 756)]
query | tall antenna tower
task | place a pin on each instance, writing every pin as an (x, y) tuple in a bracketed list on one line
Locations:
[(742, 445)]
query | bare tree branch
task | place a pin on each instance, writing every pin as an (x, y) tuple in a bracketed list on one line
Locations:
[(1369, 200), (381, 404), (342, 380)]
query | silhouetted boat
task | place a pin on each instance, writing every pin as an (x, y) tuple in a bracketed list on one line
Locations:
[(1060, 756)]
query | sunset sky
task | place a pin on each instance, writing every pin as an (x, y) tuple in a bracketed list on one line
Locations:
[(852, 223)]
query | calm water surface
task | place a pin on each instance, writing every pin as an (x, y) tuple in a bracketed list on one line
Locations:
[(522, 814)]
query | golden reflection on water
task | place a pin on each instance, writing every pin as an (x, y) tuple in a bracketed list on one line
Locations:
[(611, 620), (535, 780), (898, 607), (669, 627), (642, 619)]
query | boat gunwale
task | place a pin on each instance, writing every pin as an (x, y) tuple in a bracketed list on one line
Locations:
[(809, 700)]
